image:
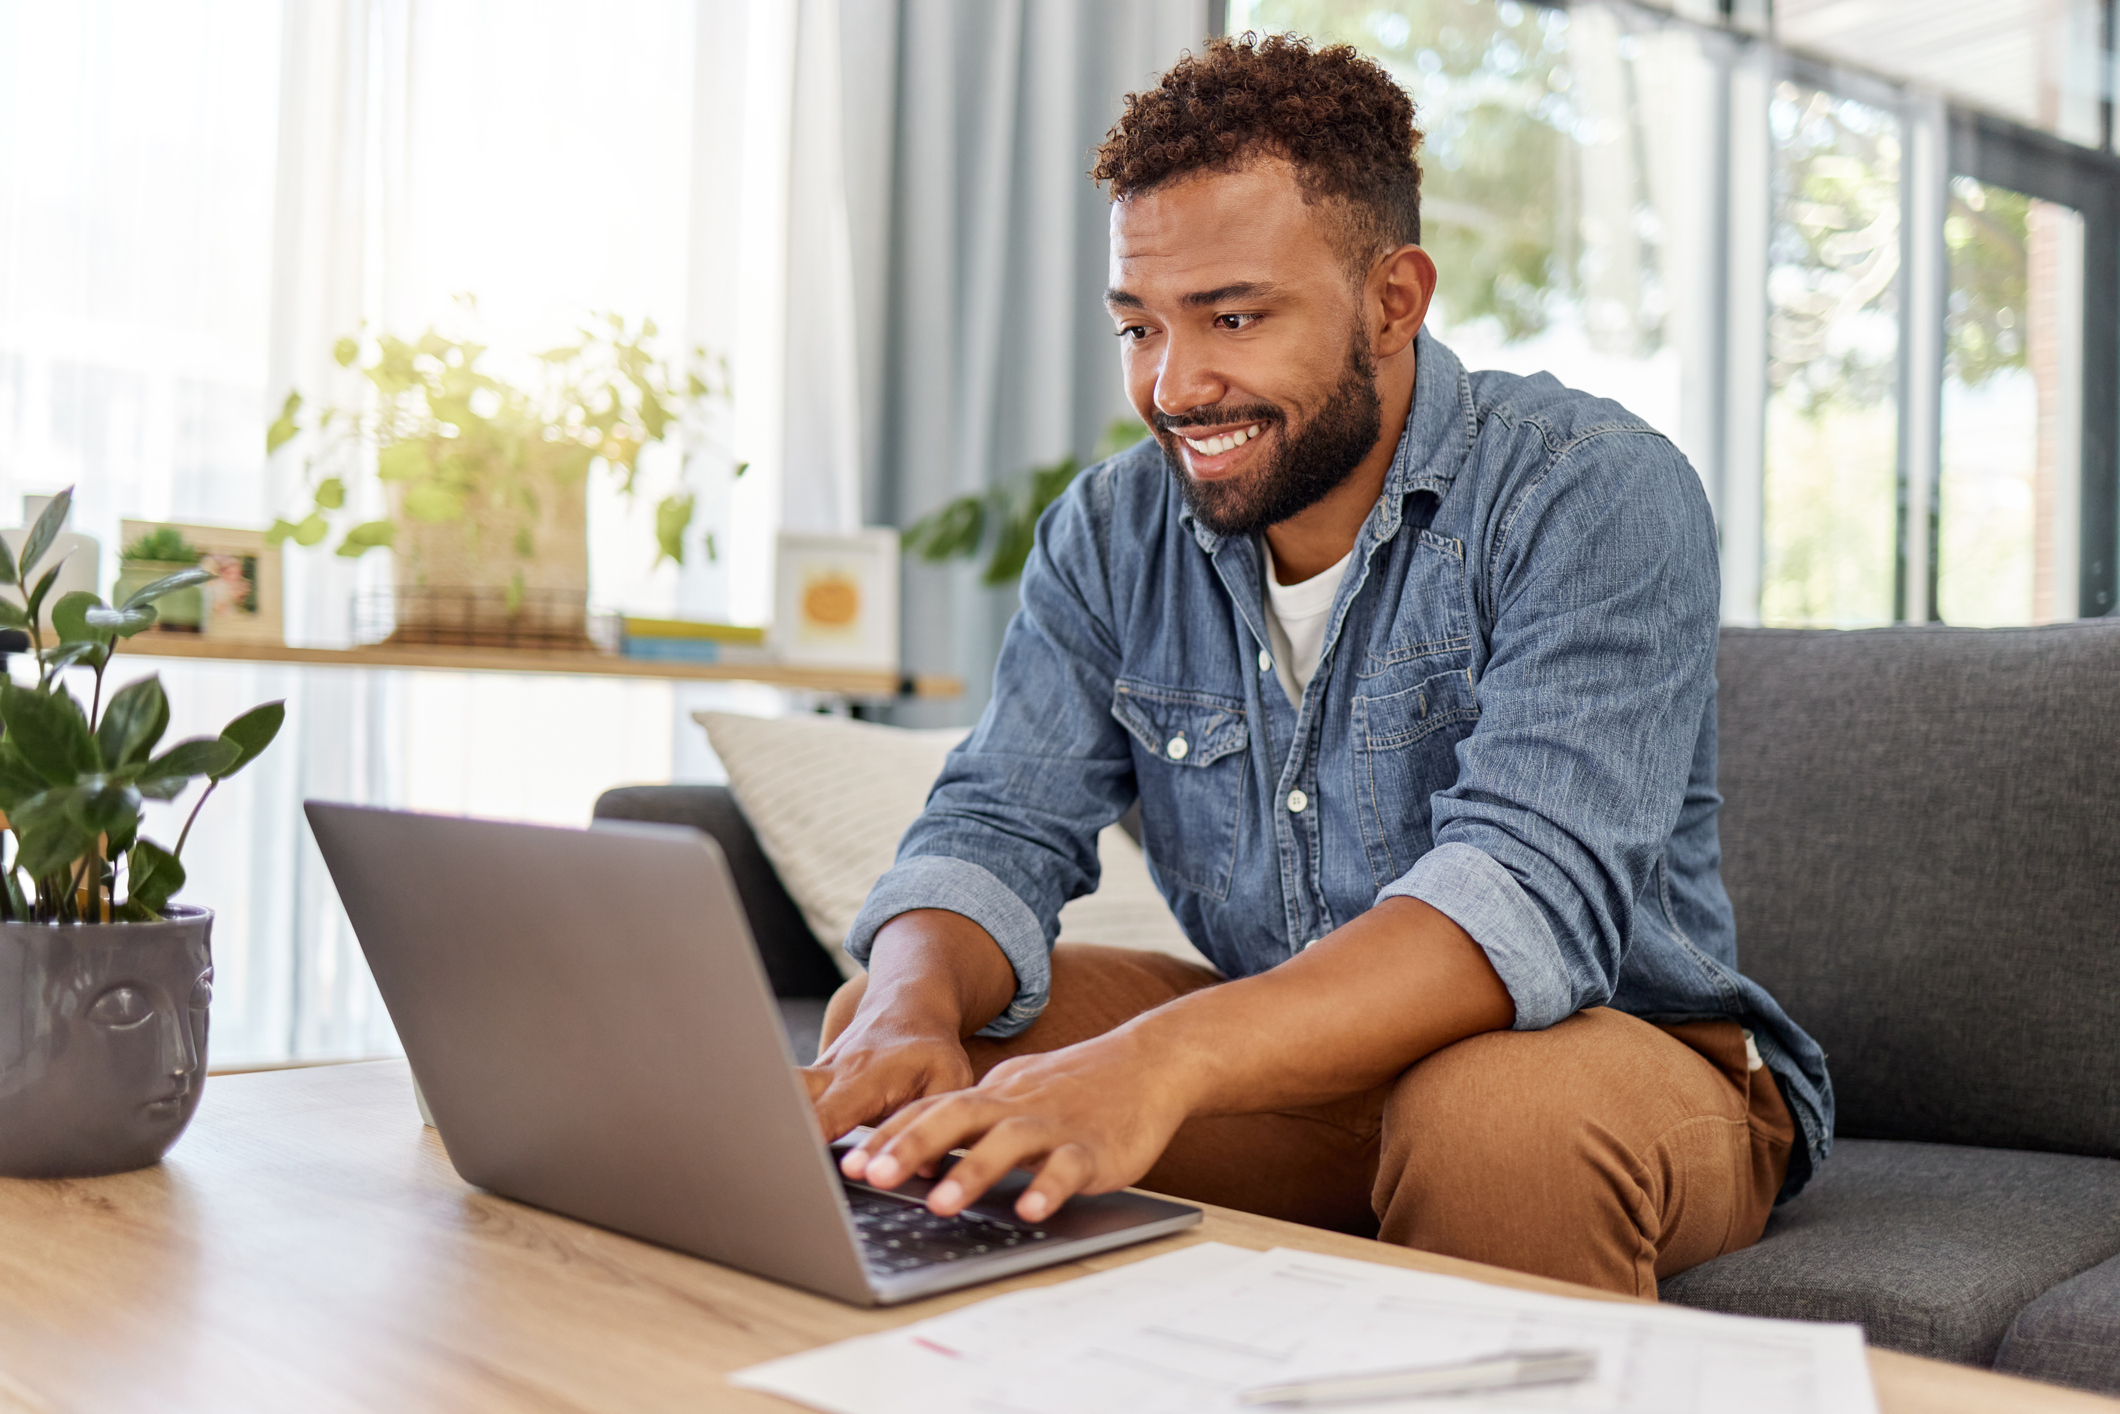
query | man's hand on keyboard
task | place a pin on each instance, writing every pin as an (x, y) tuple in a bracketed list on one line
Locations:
[(1088, 1118)]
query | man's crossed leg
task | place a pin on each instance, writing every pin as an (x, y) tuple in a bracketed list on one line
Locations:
[(1603, 1150)]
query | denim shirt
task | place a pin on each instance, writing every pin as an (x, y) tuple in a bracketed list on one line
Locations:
[(1513, 720)]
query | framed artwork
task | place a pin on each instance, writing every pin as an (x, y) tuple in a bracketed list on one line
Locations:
[(835, 599), (241, 603)]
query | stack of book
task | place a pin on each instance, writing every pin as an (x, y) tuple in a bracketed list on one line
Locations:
[(691, 641)]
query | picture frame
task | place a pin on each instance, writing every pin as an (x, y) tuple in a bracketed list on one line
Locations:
[(242, 602), (835, 599)]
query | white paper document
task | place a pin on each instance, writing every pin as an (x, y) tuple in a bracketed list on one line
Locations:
[(1183, 1333)]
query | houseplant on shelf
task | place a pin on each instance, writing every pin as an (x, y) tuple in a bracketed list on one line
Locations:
[(104, 983), (159, 553), (487, 479), (1005, 518)]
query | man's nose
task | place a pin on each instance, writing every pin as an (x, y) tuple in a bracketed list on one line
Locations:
[(1186, 379)]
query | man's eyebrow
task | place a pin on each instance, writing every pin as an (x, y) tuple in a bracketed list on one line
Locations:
[(1223, 294), (1199, 299)]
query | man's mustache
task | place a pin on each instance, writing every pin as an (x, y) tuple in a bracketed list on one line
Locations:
[(1218, 417)]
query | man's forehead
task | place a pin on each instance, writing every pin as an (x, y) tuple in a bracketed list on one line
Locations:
[(1215, 230)]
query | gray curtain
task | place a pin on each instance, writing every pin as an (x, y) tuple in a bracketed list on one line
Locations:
[(979, 256)]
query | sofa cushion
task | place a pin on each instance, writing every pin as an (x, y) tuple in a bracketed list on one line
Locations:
[(1921, 838), (1933, 1248), (829, 799), (2071, 1335)]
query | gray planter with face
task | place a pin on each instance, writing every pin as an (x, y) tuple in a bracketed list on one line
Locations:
[(102, 1041)]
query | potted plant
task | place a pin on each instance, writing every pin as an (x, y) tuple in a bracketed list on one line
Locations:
[(158, 554), (487, 479), (104, 983)]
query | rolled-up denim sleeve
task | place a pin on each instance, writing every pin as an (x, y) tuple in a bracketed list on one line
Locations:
[(960, 886), (1603, 591), (1480, 896), (1009, 834)]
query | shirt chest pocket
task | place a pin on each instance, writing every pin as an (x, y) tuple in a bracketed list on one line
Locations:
[(1189, 762), (1405, 750)]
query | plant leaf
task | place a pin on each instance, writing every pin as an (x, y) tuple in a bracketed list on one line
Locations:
[(102, 805), (17, 781), (278, 531), (133, 722), (312, 529), (949, 532), (345, 351), (45, 531), (152, 874), (52, 845), (673, 516), (195, 756), (44, 587), (69, 618), (367, 536), (284, 429), (88, 653), (251, 733), (123, 623), (403, 461), (50, 732), (12, 615), (331, 494), (147, 594)]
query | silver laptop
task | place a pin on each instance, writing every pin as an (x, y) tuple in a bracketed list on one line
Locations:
[(589, 1023)]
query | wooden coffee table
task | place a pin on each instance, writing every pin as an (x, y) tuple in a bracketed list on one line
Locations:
[(307, 1247)]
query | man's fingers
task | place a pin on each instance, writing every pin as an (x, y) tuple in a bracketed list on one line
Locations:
[(1002, 1144), (1065, 1172), (866, 1158)]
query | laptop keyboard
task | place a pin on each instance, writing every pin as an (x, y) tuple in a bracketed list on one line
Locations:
[(898, 1235)]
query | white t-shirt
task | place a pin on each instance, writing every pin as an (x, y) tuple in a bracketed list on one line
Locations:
[(1296, 615)]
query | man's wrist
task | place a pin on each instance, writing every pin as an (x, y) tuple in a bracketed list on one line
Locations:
[(1167, 1054), (937, 972)]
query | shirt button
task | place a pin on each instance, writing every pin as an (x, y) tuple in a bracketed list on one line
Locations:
[(1265, 661), (1177, 748), (1297, 802)]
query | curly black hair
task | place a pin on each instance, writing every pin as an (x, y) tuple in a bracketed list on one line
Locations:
[(1336, 117)]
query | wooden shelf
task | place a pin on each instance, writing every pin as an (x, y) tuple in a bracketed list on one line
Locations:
[(841, 681)]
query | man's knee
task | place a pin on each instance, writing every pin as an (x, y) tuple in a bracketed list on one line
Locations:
[(1592, 1151), (1498, 1119)]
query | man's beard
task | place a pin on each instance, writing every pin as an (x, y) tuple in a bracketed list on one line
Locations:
[(1307, 465)]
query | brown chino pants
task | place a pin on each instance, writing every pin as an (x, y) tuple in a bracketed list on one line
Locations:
[(1602, 1150)]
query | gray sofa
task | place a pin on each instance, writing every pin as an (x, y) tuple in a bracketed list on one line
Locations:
[(1921, 837)]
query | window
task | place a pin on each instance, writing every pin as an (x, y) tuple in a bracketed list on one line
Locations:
[(1920, 419)]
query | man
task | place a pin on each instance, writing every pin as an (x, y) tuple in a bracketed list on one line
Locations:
[(1411, 672)]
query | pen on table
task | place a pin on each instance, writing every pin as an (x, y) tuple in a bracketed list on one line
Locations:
[(1510, 1369)]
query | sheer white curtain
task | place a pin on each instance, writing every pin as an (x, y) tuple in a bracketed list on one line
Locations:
[(197, 201)]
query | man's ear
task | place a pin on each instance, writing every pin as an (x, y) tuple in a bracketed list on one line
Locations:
[(1401, 284)]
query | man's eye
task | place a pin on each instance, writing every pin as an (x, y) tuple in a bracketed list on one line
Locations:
[(1134, 333), (122, 1007), (1235, 321)]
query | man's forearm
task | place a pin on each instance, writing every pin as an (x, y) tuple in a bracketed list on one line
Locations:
[(1350, 1012), (937, 970)]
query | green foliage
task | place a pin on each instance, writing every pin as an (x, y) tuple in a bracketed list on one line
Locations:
[(72, 780), (1987, 231), (458, 443), (165, 544), (1010, 509)]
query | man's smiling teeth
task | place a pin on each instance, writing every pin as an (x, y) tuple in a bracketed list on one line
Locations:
[(1215, 446)]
